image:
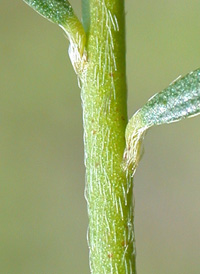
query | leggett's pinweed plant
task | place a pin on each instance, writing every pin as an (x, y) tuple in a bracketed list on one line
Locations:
[(112, 144)]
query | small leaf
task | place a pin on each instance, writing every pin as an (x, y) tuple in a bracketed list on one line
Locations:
[(180, 100), (55, 10)]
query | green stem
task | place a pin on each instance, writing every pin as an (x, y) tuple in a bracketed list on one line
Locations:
[(97, 51), (109, 186)]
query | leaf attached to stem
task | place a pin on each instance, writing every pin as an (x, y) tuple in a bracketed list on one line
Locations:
[(180, 100)]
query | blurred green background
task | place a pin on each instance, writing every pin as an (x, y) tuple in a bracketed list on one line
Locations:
[(43, 220)]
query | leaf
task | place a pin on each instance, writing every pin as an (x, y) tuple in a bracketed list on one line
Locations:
[(57, 11), (180, 100)]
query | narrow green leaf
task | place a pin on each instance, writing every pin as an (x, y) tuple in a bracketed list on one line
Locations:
[(180, 100), (58, 11)]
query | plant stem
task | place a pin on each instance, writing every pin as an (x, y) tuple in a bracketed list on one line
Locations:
[(108, 186)]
